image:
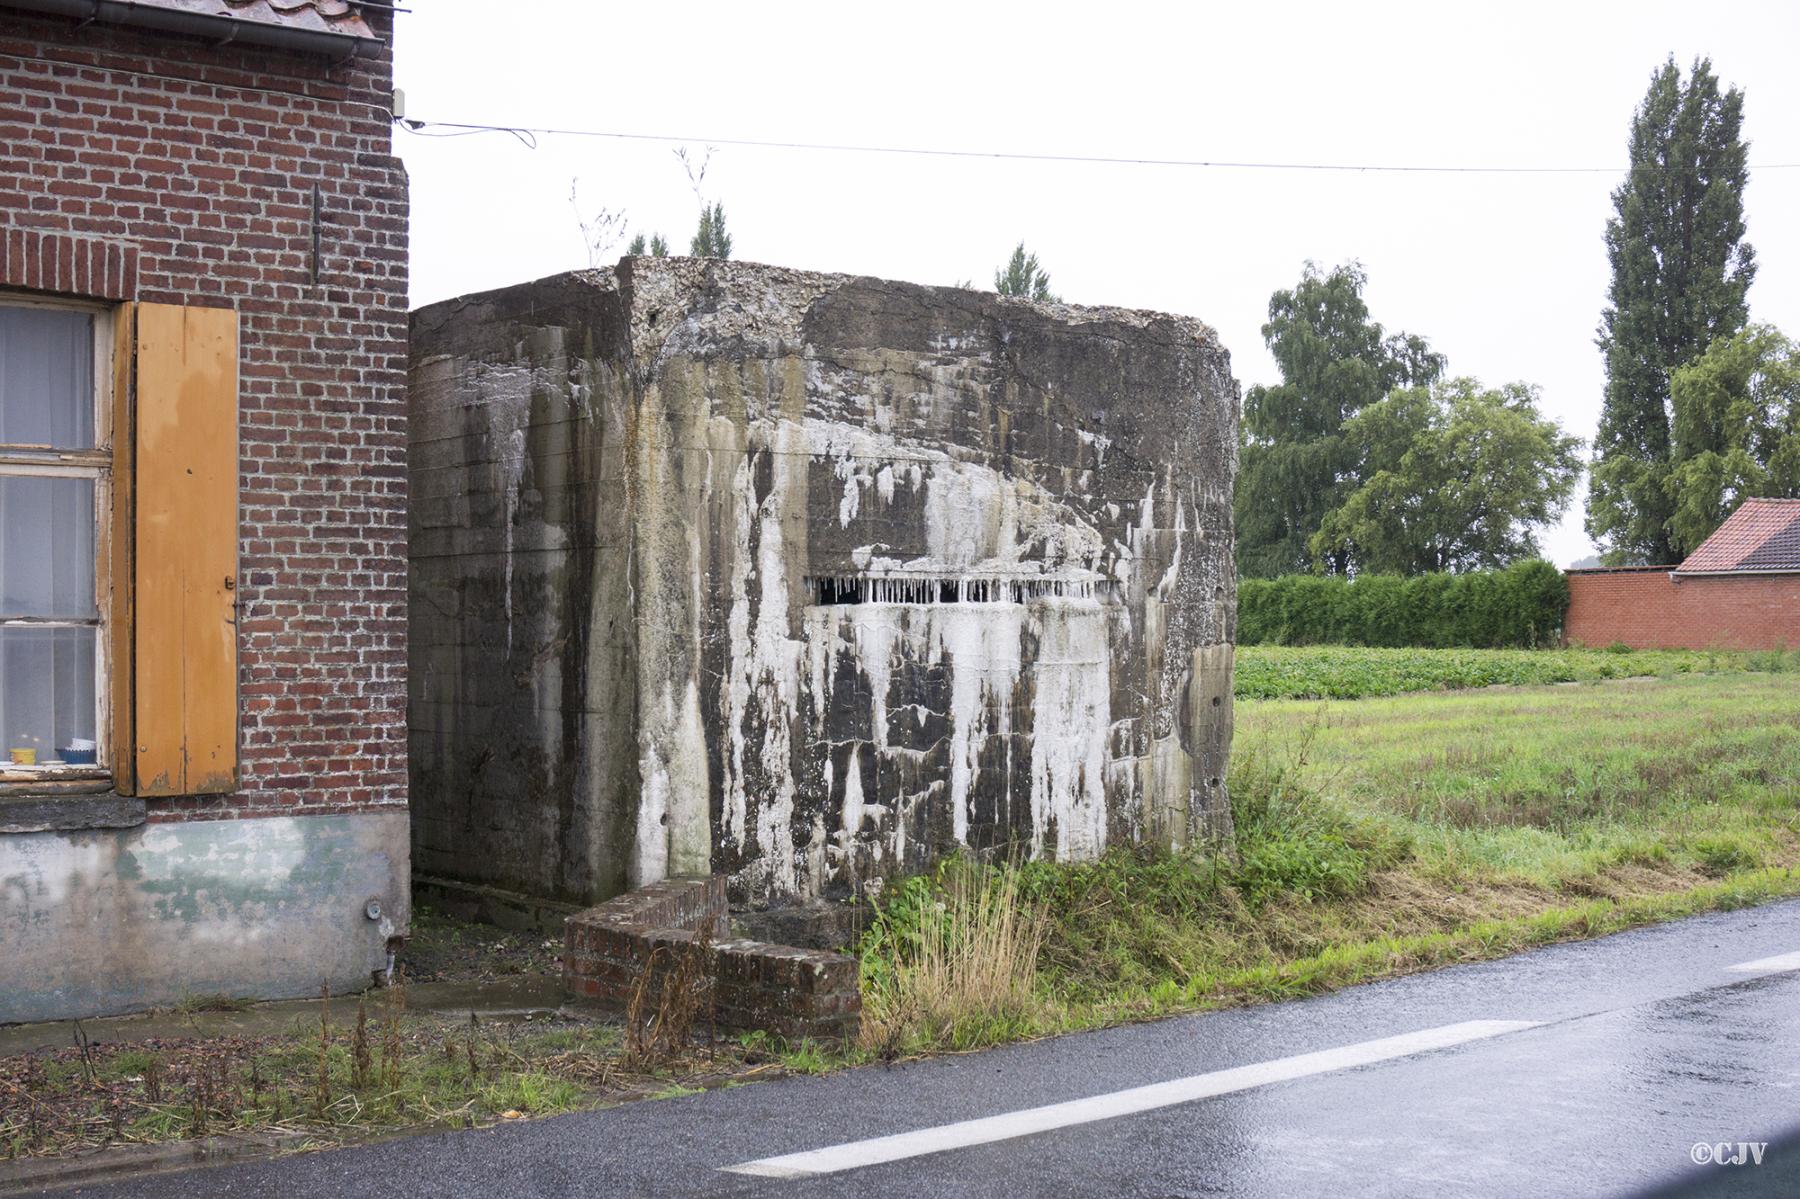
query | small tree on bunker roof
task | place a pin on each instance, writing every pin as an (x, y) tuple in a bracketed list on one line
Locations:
[(710, 239), (657, 247), (1022, 276)]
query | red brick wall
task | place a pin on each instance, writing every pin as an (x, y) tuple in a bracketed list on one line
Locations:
[(637, 939), (143, 165), (1646, 609)]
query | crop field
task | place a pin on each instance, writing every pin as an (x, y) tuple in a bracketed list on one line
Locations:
[(1351, 672)]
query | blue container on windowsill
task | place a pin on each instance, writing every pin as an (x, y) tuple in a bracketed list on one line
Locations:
[(78, 757)]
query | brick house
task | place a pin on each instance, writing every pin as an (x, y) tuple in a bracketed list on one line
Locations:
[(1739, 590), (203, 326)]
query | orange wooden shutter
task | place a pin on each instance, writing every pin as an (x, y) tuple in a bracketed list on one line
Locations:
[(184, 560), (121, 749)]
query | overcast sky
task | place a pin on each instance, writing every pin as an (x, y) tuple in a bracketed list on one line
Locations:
[(1506, 274)]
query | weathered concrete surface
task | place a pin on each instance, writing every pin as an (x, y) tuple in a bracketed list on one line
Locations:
[(809, 579), (121, 920)]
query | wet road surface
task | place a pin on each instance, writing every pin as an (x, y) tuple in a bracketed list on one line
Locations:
[(1593, 1068)]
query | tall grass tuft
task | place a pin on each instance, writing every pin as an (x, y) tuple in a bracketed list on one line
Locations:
[(952, 960)]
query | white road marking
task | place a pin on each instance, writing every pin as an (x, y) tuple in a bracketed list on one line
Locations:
[(856, 1154), (1774, 965)]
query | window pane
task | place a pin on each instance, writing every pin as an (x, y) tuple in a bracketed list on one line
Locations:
[(47, 377), (46, 690), (47, 547)]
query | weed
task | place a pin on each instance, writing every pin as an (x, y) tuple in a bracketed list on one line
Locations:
[(212, 1002), (360, 1057), (667, 1001), (391, 1041), (322, 1090), (951, 960), (1720, 856)]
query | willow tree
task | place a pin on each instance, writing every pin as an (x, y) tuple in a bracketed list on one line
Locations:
[(1295, 465)]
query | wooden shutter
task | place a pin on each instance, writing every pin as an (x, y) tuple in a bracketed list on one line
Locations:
[(183, 557)]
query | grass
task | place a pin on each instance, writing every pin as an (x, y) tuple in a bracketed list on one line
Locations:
[(1389, 835), (950, 954), (1352, 672)]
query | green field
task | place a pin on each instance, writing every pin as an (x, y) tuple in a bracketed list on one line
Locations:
[(1375, 837), (1349, 672)]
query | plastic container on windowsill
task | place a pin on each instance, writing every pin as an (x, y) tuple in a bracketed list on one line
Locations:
[(72, 756)]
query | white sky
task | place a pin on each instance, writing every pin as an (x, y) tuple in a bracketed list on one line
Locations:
[(1506, 274)]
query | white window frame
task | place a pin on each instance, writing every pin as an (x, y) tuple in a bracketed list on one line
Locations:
[(97, 464)]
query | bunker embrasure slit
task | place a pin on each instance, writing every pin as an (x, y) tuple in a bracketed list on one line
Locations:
[(837, 590)]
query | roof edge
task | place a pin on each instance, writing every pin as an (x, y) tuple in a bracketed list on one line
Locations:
[(219, 27), (1615, 570)]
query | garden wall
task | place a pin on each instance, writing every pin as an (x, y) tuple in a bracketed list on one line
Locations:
[(1650, 607), (796, 993)]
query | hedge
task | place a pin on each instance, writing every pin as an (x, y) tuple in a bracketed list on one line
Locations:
[(1522, 605)]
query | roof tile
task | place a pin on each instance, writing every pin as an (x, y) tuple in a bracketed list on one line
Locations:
[(320, 16), (1762, 535)]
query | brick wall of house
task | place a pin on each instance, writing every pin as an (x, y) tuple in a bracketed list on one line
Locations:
[(1646, 609), (138, 164)]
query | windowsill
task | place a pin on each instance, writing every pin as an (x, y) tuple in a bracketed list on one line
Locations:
[(46, 781), (34, 808)]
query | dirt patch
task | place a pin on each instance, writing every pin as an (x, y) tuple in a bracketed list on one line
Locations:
[(443, 948), (385, 1072)]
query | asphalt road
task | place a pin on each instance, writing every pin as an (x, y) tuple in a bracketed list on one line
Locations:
[(1638, 1047)]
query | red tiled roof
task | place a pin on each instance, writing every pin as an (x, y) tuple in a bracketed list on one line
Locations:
[(316, 16), (1763, 535)]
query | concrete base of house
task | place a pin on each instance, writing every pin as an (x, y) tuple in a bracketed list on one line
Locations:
[(103, 921)]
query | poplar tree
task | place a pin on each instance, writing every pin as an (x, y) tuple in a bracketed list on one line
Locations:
[(1680, 274)]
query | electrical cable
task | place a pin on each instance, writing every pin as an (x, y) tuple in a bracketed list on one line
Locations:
[(523, 132)]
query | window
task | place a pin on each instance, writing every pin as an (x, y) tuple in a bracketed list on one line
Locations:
[(56, 469), (118, 547)]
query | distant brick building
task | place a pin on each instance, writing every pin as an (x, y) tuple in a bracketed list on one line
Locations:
[(202, 501), (1739, 590)]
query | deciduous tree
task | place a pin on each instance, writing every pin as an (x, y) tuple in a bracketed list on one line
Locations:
[(1736, 431), (1295, 466), (1454, 477)]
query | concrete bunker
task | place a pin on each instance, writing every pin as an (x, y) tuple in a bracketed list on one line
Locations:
[(807, 580)]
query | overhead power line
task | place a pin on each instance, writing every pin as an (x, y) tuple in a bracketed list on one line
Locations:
[(530, 133)]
